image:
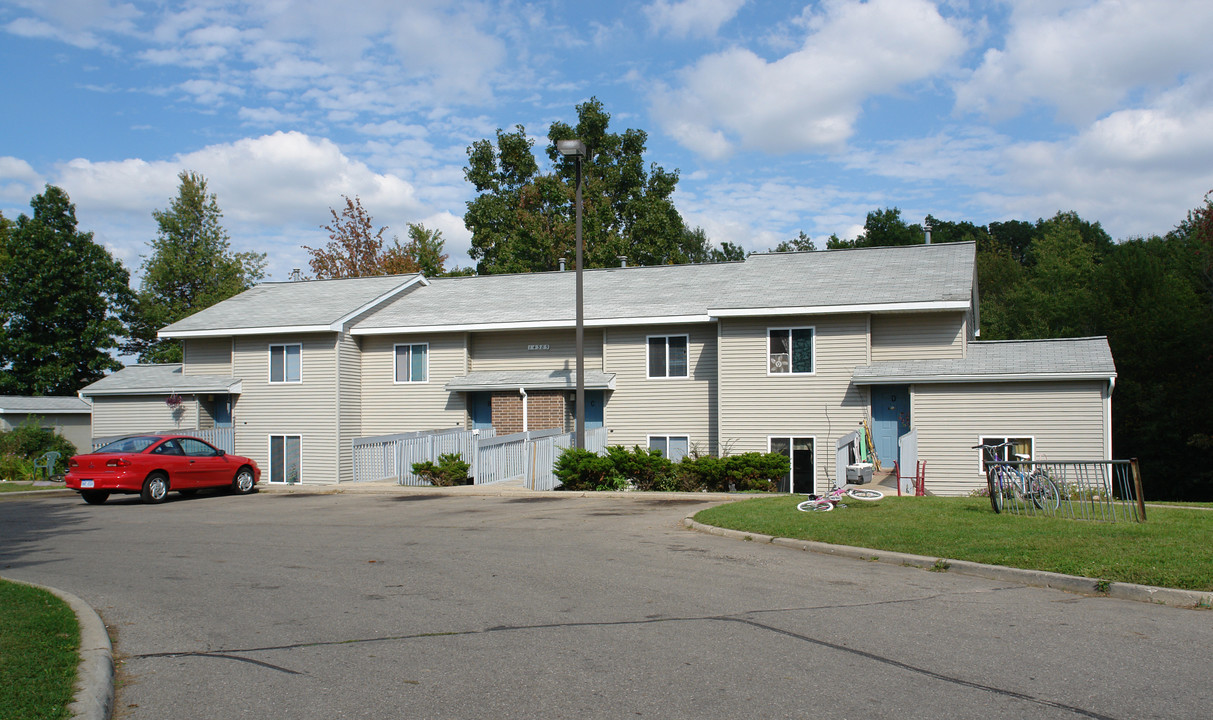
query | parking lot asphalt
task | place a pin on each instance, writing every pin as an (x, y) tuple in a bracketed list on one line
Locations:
[(371, 604)]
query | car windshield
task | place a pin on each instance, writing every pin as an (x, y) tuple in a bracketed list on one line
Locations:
[(128, 445)]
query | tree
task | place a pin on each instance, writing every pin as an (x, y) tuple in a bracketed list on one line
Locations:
[(60, 301), (356, 248), (522, 220), (800, 243), (191, 267)]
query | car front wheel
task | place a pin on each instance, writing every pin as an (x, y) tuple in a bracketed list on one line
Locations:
[(243, 482), (155, 488)]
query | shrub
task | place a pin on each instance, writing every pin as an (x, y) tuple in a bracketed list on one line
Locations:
[(450, 470), (584, 470), (29, 441), (702, 473), (14, 467), (756, 471), (645, 469)]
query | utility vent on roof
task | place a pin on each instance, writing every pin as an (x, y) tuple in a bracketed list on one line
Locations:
[(296, 275)]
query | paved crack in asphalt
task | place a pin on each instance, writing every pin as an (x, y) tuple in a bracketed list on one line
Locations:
[(745, 618)]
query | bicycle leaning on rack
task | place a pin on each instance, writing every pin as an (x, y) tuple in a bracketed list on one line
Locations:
[(834, 498), (1012, 480)]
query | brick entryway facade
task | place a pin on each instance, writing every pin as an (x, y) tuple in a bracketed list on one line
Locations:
[(546, 409)]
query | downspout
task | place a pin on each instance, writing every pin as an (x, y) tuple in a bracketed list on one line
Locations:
[(525, 426), (1108, 416)]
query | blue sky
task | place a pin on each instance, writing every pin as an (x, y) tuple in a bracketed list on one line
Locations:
[(780, 117)]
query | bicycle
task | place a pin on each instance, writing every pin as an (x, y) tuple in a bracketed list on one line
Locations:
[(833, 499), (1005, 480)]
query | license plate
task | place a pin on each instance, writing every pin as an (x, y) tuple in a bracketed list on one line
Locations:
[(86, 483)]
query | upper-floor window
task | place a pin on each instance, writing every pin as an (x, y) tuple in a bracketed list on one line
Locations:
[(285, 363), (412, 363), (667, 356), (789, 350)]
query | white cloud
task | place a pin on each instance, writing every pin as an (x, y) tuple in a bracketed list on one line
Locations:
[(274, 190), (691, 18), (81, 23), (809, 99), (18, 182), (1087, 58)]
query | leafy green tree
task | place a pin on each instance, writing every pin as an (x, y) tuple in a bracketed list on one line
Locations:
[(800, 243), (191, 267), (424, 249), (522, 219), (61, 298)]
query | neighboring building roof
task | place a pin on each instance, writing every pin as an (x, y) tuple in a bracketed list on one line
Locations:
[(918, 277), (160, 380), (304, 306), (530, 380), (1002, 361), (42, 405)]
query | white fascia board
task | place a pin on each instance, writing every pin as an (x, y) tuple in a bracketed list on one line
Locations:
[(340, 323), (946, 379), (535, 325), (14, 411), (233, 389), (932, 305), (231, 332)]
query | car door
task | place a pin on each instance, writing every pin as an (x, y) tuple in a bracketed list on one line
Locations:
[(170, 457), (207, 466)]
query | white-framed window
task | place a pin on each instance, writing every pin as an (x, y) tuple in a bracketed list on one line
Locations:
[(790, 351), (799, 450), (673, 447), (668, 356), (285, 455), (1019, 446), (286, 363), (412, 363)]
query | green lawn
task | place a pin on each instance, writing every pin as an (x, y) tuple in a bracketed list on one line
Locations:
[(1172, 550), (39, 642)]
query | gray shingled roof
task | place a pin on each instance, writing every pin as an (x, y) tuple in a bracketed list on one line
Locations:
[(1066, 359), (31, 404), (304, 304), (529, 379), (868, 276), (160, 380)]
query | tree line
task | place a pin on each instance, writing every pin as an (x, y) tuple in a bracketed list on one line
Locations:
[(67, 308)]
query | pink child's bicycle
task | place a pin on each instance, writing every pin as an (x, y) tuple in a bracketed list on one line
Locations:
[(834, 498)]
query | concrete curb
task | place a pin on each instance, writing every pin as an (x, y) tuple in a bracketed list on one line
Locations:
[(94, 698), (1033, 578)]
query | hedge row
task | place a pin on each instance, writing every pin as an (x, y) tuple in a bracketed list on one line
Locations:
[(643, 469)]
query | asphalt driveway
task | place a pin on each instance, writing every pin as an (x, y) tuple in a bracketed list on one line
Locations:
[(425, 606)]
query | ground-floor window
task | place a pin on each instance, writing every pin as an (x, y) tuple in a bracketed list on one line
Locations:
[(674, 447), (799, 451), (1009, 453), (284, 458)]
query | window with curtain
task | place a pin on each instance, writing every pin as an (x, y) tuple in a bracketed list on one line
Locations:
[(412, 363), (790, 350)]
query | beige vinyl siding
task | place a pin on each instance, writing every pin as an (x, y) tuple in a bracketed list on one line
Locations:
[(918, 336), (207, 356), (489, 351), (307, 408), (1066, 421), (349, 398), (642, 406), (755, 406), (142, 413), (76, 428), (390, 407)]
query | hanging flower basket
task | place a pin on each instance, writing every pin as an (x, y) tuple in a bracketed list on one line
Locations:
[(173, 401)]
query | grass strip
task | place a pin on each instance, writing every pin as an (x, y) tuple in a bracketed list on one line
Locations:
[(39, 651), (1171, 550)]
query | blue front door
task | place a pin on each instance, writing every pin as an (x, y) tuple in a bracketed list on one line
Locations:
[(480, 408), (890, 420), (593, 408)]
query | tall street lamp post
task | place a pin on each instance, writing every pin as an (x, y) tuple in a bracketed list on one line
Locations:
[(575, 149)]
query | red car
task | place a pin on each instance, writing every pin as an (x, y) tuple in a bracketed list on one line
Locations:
[(152, 465)]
